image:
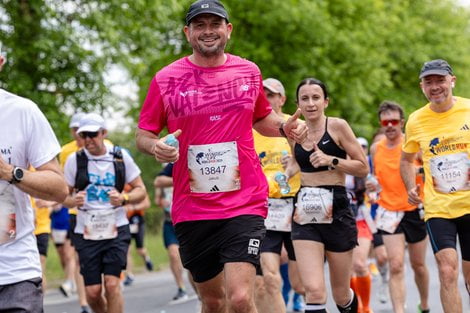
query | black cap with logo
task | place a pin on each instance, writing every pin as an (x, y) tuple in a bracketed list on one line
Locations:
[(436, 67), (206, 6)]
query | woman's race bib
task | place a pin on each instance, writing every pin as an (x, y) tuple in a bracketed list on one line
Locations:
[(59, 235), (213, 167), (388, 220), (314, 206), (100, 225), (450, 173), (279, 214), (7, 213)]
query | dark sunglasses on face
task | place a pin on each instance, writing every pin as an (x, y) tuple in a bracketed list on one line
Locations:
[(385, 123), (83, 135)]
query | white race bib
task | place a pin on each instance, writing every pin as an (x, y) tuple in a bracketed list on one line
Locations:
[(314, 206), (134, 225), (279, 214), (59, 235), (450, 173), (388, 220), (365, 211), (213, 167), (7, 213), (100, 225)]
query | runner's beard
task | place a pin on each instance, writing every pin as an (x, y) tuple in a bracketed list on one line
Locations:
[(207, 52)]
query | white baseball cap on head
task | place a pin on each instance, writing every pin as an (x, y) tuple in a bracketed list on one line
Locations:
[(75, 120), (363, 141), (91, 122)]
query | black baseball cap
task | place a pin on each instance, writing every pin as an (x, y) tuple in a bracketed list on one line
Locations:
[(436, 67), (206, 6)]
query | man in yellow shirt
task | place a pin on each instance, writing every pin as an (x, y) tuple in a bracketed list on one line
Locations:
[(441, 131), (271, 151)]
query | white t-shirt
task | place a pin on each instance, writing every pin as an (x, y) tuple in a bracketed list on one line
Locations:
[(102, 180), (26, 138)]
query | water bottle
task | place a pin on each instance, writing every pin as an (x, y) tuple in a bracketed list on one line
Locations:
[(281, 180), (172, 141), (373, 195)]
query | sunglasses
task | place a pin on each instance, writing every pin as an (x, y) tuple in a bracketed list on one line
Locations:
[(83, 135), (385, 123)]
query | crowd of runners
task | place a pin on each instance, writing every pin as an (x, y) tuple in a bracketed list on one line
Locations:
[(256, 201)]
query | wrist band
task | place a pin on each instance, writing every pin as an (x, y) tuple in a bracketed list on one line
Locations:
[(281, 130)]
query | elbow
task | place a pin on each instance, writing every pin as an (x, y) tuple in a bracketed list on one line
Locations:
[(61, 193), (138, 141), (363, 172)]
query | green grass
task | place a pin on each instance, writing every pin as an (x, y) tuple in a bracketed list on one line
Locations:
[(153, 242)]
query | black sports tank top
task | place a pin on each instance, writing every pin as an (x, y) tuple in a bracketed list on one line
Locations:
[(326, 144)]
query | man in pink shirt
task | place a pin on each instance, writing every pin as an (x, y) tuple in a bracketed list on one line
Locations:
[(211, 100)]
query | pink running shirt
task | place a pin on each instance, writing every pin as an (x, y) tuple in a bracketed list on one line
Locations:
[(211, 105)]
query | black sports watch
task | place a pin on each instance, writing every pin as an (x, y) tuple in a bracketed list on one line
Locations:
[(17, 175), (281, 130), (334, 162)]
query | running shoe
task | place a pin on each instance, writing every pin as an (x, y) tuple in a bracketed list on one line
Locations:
[(180, 295), (298, 305), (85, 309), (373, 269), (420, 310), (149, 265), (383, 293), (66, 289), (129, 280)]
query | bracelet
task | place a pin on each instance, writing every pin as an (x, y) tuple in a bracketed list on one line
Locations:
[(126, 199), (281, 130)]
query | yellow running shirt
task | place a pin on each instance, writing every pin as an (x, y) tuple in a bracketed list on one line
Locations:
[(43, 221), (269, 150), (444, 139)]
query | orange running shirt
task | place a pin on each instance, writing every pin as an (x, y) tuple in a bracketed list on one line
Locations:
[(393, 196)]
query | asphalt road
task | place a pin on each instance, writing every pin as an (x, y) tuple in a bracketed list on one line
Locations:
[(152, 293)]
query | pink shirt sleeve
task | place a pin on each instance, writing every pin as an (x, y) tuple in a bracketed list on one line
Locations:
[(262, 106), (153, 116)]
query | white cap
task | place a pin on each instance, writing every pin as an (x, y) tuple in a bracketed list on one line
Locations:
[(75, 120), (363, 141), (274, 86), (91, 122)]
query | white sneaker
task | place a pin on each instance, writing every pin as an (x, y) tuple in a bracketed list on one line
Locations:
[(66, 288), (383, 293)]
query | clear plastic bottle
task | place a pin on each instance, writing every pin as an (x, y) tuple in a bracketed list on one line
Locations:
[(172, 141), (373, 195), (281, 180)]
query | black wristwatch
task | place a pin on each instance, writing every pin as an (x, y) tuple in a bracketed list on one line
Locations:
[(281, 130), (334, 162), (17, 175)]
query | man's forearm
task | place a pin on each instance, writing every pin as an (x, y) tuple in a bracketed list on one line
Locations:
[(145, 141), (136, 195), (408, 174), (47, 185), (269, 126), (69, 201)]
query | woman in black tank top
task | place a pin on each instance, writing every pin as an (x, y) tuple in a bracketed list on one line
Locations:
[(324, 225)]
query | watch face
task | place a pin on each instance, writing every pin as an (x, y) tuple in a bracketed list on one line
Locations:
[(18, 173), (335, 161)]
